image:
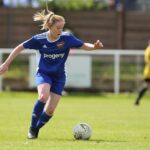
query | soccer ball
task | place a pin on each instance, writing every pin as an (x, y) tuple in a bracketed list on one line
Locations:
[(82, 131)]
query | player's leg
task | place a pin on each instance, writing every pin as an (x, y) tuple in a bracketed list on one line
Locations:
[(55, 95), (48, 110), (141, 93), (43, 95)]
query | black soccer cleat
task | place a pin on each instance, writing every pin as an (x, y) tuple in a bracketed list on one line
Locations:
[(136, 103), (33, 133)]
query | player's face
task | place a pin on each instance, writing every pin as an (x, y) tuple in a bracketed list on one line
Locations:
[(57, 28)]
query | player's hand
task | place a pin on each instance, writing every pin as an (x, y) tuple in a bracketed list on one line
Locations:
[(98, 44), (3, 68)]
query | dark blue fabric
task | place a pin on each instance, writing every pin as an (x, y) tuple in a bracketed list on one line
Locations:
[(52, 55), (37, 111), (43, 120), (57, 82)]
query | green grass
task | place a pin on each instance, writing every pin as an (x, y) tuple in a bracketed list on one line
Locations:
[(117, 124)]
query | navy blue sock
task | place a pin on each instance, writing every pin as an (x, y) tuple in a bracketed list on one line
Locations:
[(141, 93), (37, 111), (44, 118)]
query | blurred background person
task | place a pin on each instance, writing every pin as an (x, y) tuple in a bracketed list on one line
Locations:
[(129, 4), (146, 84), (21, 3), (1, 3)]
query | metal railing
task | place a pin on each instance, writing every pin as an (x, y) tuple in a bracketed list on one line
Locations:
[(115, 53)]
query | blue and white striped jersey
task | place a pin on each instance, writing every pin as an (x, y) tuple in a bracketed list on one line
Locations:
[(52, 55)]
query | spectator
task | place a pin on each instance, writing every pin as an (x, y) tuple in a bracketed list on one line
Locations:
[(129, 4), (21, 3), (1, 3)]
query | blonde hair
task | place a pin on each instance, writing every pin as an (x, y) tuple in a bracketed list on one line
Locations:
[(48, 19)]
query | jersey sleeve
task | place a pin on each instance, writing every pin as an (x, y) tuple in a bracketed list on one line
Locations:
[(74, 42), (32, 43)]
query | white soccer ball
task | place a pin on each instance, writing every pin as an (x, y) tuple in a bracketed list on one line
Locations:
[(82, 131)]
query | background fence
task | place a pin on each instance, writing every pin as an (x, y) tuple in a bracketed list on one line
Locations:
[(16, 25), (101, 70)]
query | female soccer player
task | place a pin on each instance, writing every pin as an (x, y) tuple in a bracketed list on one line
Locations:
[(146, 84), (52, 49)]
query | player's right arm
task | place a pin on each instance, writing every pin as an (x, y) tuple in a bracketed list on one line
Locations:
[(4, 67)]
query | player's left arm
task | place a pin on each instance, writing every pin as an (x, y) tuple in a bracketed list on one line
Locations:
[(88, 46)]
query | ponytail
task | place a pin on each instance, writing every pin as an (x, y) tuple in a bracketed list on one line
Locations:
[(48, 19)]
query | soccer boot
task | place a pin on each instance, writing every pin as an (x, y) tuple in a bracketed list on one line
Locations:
[(136, 103), (33, 133)]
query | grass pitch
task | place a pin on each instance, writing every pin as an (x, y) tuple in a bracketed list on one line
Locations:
[(117, 124)]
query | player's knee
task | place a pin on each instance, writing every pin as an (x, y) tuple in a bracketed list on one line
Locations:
[(43, 97)]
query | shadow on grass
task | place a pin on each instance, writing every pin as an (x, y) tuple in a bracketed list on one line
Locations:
[(107, 141), (91, 140)]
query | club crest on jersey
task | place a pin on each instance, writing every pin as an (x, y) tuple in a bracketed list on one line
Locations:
[(60, 44)]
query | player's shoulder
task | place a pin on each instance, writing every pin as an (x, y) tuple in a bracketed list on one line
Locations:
[(66, 34), (40, 36)]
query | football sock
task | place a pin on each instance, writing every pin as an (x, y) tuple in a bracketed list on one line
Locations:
[(44, 118), (37, 111), (141, 93)]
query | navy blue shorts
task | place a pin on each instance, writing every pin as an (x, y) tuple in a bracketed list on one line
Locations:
[(57, 82)]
